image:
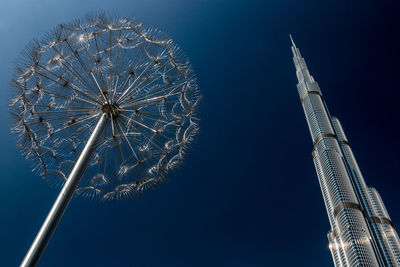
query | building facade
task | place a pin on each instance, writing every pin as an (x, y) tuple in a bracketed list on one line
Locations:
[(362, 233)]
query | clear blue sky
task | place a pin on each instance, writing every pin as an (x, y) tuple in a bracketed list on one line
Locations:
[(248, 194)]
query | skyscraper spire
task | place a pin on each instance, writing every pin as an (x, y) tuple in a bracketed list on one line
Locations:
[(291, 39), (362, 233)]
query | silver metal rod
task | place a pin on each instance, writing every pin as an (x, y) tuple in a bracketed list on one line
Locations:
[(53, 218)]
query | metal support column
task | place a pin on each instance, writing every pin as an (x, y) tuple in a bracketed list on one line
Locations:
[(53, 218)]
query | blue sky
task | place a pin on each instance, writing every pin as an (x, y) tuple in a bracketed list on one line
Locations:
[(248, 194)]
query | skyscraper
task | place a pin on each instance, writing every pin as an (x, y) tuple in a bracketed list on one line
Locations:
[(362, 233)]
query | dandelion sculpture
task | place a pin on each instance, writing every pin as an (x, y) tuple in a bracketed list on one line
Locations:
[(105, 104)]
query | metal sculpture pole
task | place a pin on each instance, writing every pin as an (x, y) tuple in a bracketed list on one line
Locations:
[(60, 205)]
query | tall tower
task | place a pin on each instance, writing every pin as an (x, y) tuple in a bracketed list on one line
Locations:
[(362, 233)]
